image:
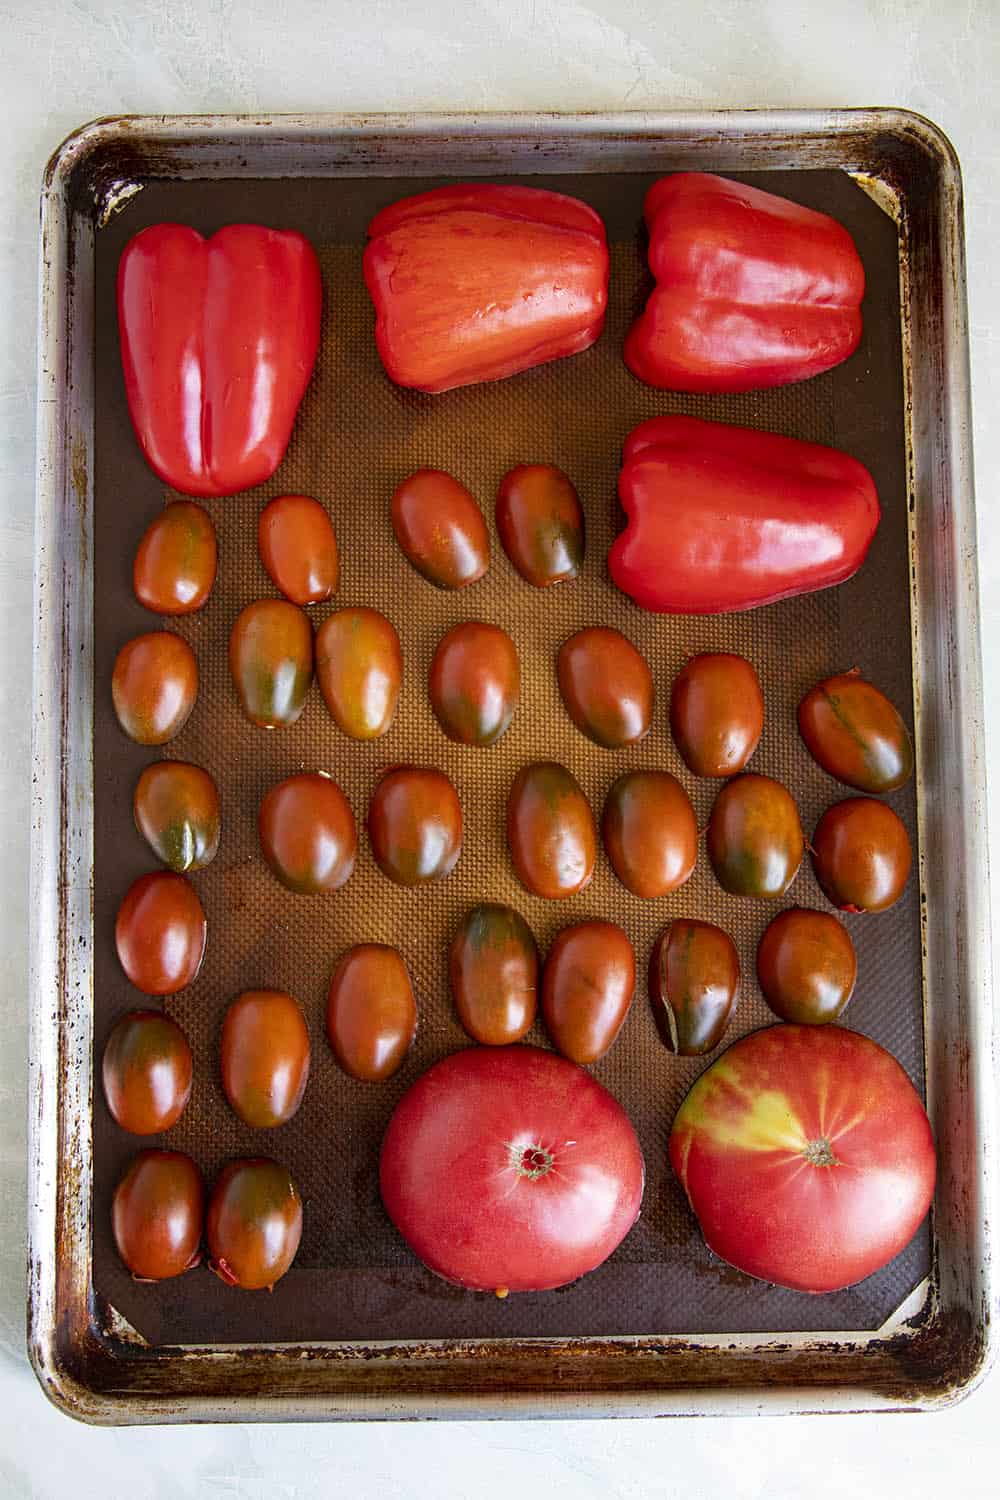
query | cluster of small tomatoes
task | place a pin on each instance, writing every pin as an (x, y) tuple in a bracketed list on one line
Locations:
[(806, 963)]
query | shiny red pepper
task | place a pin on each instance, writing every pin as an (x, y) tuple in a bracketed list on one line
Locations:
[(479, 281), (751, 289), (724, 518), (218, 340)]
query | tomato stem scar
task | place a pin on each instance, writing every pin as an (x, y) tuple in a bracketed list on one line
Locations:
[(531, 1161), (223, 1271), (819, 1153)]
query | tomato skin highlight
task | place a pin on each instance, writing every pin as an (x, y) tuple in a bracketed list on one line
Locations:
[(510, 1169), (806, 1156)]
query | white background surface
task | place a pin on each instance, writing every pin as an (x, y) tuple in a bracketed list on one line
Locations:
[(65, 61)]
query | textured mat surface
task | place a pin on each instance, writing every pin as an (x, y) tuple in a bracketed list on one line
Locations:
[(356, 437)]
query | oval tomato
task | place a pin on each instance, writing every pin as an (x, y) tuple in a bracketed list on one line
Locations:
[(160, 933), (806, 1156), (694, 978), (650, 832), (540, 521), (587, 988), (297, 546), (716, 713), (175, 563), (254, 1223), (176, 809), (755, 839), (861, 854), (157, 1214), (440, 529), (359, 668), (510, 1169), (607, 686), (415, 825), (475, 682), (146, 1071), (856, 734), (371, 1015), (264, 1053), (806, 966), (154, 686), (550, 830), (307, 833), (271, 661), (493, 968)]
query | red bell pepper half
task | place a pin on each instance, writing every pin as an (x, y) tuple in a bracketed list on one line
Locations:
[(218, 340), (723, 518), (479, 281), (751, 289)]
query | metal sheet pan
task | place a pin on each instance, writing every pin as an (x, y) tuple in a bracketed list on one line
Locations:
[(88, 1357)]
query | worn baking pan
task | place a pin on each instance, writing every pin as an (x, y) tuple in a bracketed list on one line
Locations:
[(357, 1329)]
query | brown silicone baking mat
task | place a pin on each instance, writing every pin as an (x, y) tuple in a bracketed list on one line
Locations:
[(356, 437)]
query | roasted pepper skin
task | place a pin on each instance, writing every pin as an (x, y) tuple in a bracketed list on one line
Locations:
[(218, 341), (752, 290), (725, 518), (480, 281)]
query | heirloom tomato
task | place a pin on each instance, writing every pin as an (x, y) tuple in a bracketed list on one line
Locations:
[(806, 1156), (510, 1169)]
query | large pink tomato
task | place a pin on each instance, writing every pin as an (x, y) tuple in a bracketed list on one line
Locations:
[(511, 1169), (806, 1155)]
